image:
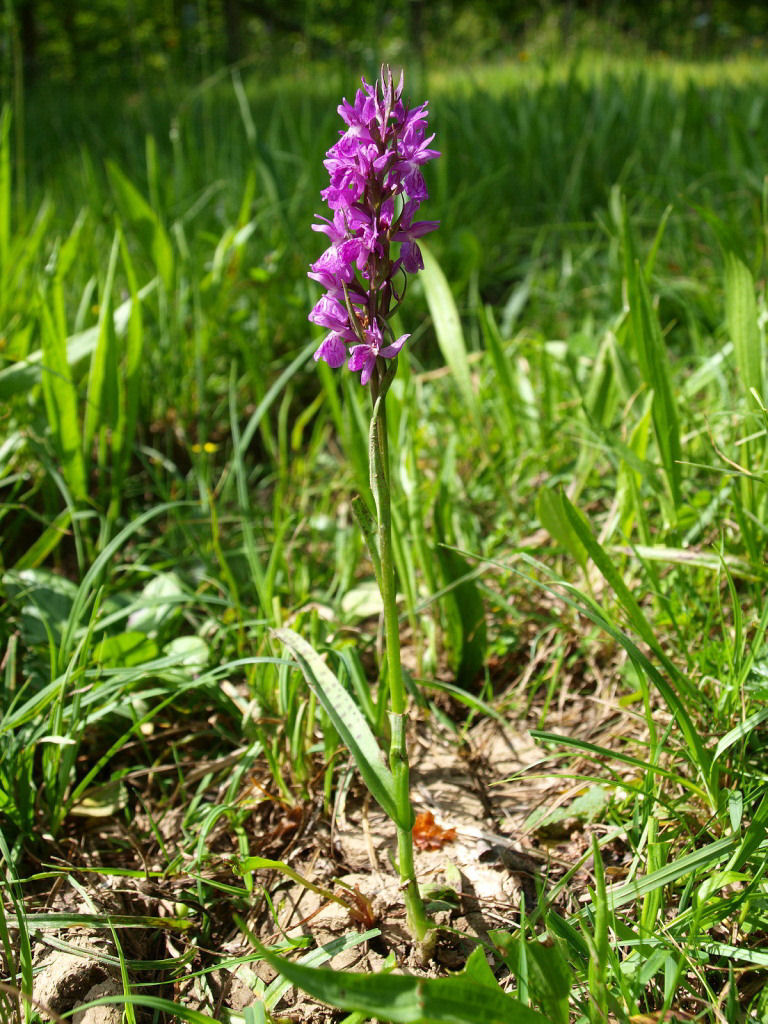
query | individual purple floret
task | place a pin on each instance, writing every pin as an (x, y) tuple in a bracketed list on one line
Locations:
[(376, 187), (363, 357)]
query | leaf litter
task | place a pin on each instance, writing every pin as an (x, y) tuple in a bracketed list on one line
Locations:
[(479, 856)]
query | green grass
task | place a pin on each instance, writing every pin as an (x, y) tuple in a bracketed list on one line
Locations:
[(579, 440)]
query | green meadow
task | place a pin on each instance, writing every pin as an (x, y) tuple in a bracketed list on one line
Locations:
[(579, 440)]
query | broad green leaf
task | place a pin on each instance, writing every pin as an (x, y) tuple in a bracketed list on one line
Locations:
[(44, 601), (104, 801), (314, 958), (362, 601), (159, 604), (549, 977), (742, 318), (585, 807), (92, 580), (191, 651), (404, 999), (476, 969), (124, 650), (348, 721)]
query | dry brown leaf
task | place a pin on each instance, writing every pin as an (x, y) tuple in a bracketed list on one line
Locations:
[(428, 835)]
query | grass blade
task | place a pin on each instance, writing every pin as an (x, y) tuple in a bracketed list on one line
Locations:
[(552, 516), (447, 323), (137, 211), (741, 316), (61, 404), (19, 922), (102, 405), (654, 363), (134, 344), (5, 196), (626, 892), (639, 622), (26, 374)]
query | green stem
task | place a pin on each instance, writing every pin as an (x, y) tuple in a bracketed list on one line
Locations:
[(418, 922)]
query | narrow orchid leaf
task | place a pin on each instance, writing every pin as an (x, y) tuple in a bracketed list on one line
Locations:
[(348, 721), (314, 958)]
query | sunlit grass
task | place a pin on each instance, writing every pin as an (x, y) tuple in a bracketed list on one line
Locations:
[(579, 443)]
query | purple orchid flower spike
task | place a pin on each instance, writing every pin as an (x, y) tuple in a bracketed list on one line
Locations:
[(375, 189)]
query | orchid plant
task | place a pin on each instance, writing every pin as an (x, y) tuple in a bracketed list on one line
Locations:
[(376, 188)]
